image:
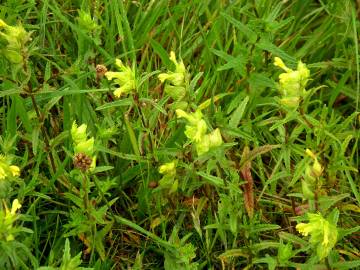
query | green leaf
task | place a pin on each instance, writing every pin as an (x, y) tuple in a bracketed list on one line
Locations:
[(250, 34), (214, 180), (236, 116)]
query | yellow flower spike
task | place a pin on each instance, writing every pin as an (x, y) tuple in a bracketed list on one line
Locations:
[(15, 170), (292, 83)]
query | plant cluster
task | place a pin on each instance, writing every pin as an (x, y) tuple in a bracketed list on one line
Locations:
[(206, 157)]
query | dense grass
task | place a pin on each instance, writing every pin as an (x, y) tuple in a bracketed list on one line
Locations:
[(236, 206)]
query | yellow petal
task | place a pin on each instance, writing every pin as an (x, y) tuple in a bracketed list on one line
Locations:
[(15, 206), (279, 63)]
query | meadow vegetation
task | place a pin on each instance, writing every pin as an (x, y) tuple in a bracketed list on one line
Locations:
[(179, 134)]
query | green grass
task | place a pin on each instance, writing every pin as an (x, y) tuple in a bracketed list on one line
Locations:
[(236, 206)]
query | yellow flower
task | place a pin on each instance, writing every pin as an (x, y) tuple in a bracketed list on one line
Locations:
[(15, 170), (279, 63), (196, 132), (197, 126), (323, 233), (6, 169), (208, 141), (15, 206), (125, 78), (292, 83), (10, 218), (2, 23), (175, 78)]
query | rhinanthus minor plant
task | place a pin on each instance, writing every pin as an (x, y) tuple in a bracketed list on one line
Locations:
[(323, 232), (292, 83), (230, 199)]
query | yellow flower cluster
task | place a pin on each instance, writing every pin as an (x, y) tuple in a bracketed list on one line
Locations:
[(125, 79), (323, 233), (292, 83), (196, 130)]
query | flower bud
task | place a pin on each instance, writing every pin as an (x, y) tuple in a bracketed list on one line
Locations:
[(316, 169)]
